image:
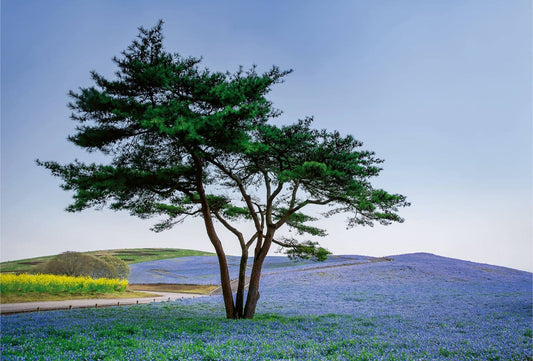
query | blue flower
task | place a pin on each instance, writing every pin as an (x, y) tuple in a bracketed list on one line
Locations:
[(417, 307)]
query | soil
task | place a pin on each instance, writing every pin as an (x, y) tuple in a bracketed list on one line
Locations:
[(172, 287)]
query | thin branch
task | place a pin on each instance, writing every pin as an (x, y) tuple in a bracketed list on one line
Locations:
[(251, 241), (262, 214), (267, 182), (198, 211), (279, 243), (230, 228), (270, 197), (245, 195), (276, 192), (293, 210), (294, 191)]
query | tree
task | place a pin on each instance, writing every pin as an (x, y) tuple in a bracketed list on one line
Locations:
[(185, 141), (68, 264), (120, 269), (81, 264)]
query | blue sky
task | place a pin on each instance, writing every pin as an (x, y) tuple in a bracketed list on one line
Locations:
[(442, 90)]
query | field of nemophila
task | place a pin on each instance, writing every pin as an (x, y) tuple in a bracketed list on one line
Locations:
[(416, 307)]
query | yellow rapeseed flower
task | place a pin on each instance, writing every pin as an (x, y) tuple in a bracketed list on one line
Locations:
[(11, 283)]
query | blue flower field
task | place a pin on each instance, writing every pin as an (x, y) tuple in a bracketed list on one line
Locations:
[(414, 307), (203, 270)]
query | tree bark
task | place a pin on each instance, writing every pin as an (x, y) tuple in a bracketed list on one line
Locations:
[(255, 277), (225, 281), (239, 302), (253, 290)]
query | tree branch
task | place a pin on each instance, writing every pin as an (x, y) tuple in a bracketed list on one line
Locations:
[(291, 211), (251, 241), (294, 191), (282, 244), (270, 196), (230, 228), (262, 214), (246, 197)]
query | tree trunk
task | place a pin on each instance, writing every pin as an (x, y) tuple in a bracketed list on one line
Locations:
[(225, 281), (239, 302), (253, 288)]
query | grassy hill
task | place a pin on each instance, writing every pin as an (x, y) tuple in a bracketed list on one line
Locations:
[(130, 256)]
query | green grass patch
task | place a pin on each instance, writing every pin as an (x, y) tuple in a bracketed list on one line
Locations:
[(24, 265), (63, 296), (138, 255)]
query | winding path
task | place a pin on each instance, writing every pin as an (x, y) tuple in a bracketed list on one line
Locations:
[(9, 308)]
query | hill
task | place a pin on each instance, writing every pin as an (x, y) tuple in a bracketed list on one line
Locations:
[(129, 255), (405, 307), (205, 270)]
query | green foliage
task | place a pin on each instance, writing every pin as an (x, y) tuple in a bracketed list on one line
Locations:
[(81, 264), (233, 212), (119, 268), (162, 111), (297, 221), (184, 141), (306, 250)]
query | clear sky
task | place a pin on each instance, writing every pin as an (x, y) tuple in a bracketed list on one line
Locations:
[(440, 89)]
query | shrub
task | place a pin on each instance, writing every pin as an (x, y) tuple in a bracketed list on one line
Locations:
[(121, 268), (80, 264)]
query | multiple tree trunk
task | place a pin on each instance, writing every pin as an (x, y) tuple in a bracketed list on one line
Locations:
[(238, 309)]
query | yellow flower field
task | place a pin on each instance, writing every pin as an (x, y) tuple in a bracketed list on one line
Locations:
[(44, 283)]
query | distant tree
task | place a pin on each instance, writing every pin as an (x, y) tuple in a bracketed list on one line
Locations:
[(81, 264), (73, 264), (120, 269), (185, 141)]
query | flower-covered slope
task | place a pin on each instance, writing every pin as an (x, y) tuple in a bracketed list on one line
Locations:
[(415, 307), (204, 270)]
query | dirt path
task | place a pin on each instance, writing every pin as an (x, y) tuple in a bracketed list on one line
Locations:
[(9, 308)]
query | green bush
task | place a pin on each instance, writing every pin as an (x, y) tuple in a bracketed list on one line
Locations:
[(121, 268), (81, 264)]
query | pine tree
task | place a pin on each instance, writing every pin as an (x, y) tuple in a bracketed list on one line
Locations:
[(185, 141)]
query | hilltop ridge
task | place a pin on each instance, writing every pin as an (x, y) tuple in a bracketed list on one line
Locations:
[(128, 255), (141, 255)]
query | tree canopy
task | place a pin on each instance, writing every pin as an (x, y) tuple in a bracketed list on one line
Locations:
[(185, 141)]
